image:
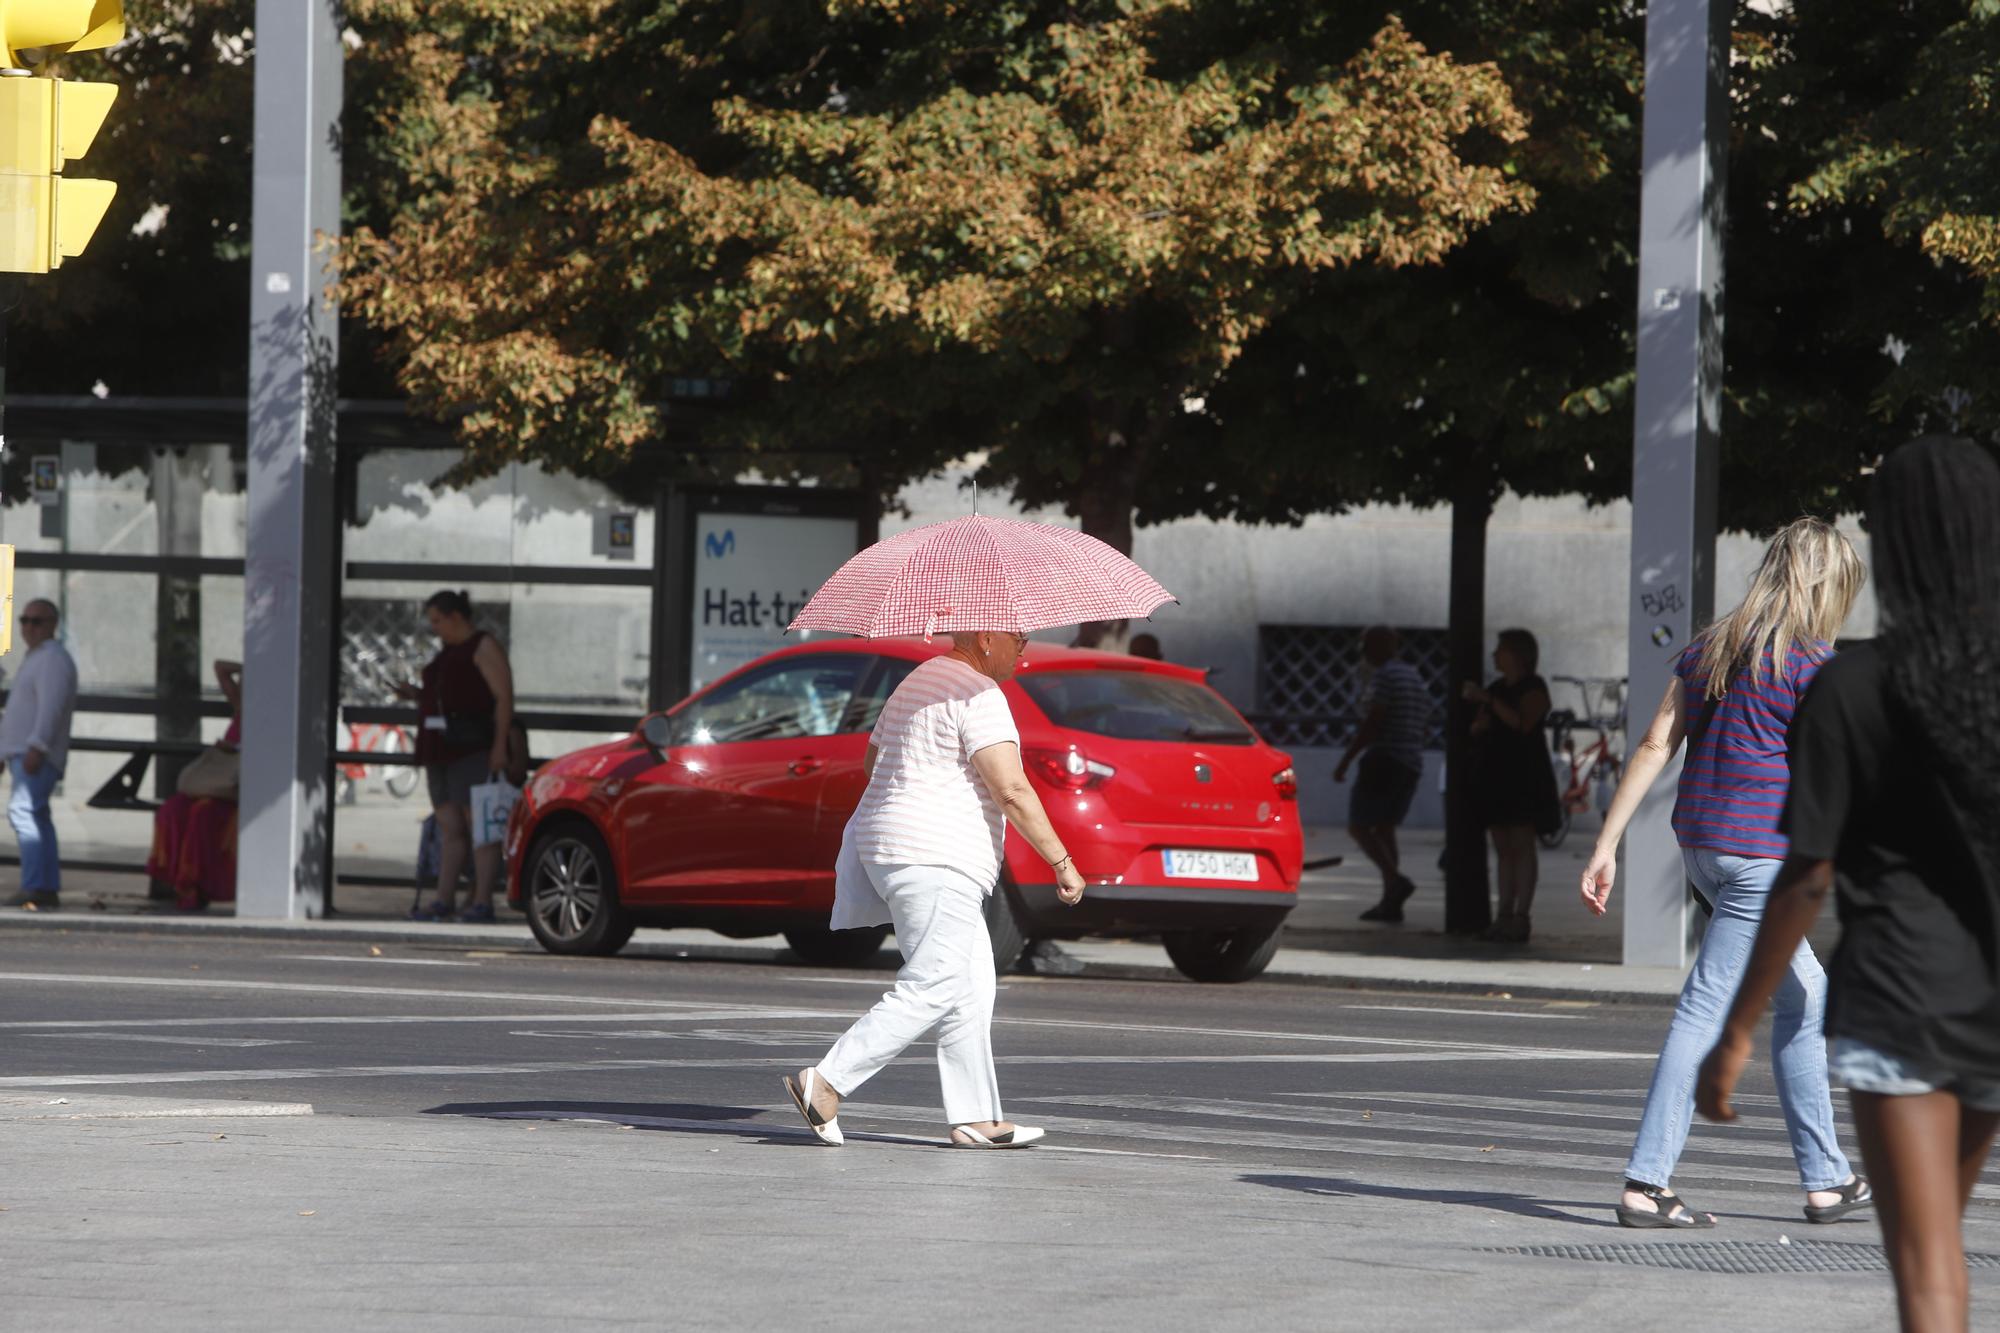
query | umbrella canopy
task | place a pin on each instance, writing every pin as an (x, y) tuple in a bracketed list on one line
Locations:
[(980, 573)]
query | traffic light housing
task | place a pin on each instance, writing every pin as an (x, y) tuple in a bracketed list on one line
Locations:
[(46, 123), (46, 217), (54, 26)]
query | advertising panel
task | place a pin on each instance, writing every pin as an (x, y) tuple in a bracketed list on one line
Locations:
[(752, 574)]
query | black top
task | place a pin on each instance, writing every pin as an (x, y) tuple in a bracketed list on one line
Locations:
[(1915, 972), (1517, 778)]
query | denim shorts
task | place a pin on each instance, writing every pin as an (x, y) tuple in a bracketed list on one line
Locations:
[(1859, 1067)]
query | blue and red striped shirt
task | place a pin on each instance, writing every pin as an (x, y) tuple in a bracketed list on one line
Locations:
[(1734, 779)]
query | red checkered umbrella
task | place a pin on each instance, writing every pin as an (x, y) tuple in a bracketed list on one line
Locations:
[(980, 573)]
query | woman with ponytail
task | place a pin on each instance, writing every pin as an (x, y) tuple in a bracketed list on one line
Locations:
[(1895, 792), (1731, 700)]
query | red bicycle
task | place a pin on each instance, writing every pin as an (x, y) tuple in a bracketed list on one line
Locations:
[(1587, 776)]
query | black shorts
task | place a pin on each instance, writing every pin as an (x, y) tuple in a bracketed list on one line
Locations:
[(451, 783), (1383, 790)]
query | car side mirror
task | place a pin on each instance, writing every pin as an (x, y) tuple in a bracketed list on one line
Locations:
[(657, 732)]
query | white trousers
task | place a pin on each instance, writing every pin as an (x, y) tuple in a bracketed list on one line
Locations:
[(946, 983)]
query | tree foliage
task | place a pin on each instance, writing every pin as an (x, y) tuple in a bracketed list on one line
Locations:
[(1040, 229)]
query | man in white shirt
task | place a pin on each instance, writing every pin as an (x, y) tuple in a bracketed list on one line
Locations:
[(34, 743)]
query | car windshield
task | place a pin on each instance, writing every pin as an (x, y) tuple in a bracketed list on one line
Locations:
[(1136, 706)]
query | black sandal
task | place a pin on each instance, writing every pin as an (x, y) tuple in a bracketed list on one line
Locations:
[(1854, 1196), (1669, 1213)]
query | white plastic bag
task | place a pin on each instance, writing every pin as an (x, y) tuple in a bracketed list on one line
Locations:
[(492, 805)]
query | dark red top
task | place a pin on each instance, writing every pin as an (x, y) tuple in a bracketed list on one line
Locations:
[(453, 686)]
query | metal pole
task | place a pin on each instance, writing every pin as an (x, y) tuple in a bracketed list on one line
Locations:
[(288, 633), (1677, 419)]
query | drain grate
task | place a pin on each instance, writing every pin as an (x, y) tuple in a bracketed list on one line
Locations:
[(1735, 1256)]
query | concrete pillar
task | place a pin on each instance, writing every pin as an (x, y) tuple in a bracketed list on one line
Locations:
[(284, 845), (1677, 420)]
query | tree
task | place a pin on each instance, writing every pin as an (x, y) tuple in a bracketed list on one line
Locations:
[(1014, 223)]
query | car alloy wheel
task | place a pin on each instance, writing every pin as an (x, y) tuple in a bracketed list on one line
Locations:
[(567, 891)]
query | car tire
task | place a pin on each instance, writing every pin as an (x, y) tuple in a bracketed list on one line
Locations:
[(1005, 928), (1223, 955), (837, 948), (569, 889)]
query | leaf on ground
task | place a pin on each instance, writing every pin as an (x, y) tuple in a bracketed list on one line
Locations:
[(308, 1212), (374, 951), (1367, 1115), (218, 1138), (1489, 1147)]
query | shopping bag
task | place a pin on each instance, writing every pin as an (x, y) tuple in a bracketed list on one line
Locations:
[(492, 805), (212, 775)]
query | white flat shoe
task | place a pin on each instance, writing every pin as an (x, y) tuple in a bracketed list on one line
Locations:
[(1021, 1136), (826, 1129)]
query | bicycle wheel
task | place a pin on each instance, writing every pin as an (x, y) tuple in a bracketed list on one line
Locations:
[(1556, 836)]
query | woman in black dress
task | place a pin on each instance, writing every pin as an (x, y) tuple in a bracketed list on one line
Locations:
[(1895, 781), (1516, 782)]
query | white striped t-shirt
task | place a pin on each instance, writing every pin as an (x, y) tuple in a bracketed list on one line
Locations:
[(926, 804)]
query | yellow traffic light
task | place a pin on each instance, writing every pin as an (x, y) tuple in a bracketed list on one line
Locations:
[(45, 217), (57, 25)]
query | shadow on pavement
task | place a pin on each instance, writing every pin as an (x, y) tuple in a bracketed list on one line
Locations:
[(1520, 1205), (763, 1124)]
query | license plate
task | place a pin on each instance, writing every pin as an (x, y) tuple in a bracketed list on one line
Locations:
[(1240, 866)]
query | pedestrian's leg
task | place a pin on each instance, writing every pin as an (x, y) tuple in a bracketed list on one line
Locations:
[(1527, 869), (1503, 871), (1911, 1146), (454, 847), (1798, 1059), (1697, 1022), (1365, 838), (927, 986), (1391, 859), (27, 825), (965, 1036), (1975, 1141), (485, 872), (43, 788)]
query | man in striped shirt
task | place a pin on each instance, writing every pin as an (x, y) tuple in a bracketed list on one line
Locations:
[(1390, 744)]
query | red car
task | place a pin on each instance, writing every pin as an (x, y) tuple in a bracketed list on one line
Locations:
[(726, 812)]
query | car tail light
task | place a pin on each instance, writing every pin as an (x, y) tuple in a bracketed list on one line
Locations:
[(1286, 780), (1069, 770)]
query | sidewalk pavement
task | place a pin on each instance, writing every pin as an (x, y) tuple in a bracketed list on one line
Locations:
[(1572, 955)]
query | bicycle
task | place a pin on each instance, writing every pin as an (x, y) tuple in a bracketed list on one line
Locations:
[(1597, 765), (378, 678)]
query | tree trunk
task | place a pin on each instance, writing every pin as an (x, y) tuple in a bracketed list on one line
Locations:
[(1467, 909), (1104, 511)]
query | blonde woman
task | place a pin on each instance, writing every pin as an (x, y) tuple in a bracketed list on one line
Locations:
[(1732, 700)]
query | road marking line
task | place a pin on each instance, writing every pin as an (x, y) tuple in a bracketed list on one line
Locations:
[(363, 1020), (167, 1041), (755, 1062), (372, 958), (319, 988), (1476, 1013)]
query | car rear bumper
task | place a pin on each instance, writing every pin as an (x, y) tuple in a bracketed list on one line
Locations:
[(1145, 909)]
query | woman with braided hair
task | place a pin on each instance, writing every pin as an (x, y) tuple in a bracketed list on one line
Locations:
[(1895, 785)]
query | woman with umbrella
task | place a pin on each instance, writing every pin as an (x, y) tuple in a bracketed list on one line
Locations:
[(945, 778)]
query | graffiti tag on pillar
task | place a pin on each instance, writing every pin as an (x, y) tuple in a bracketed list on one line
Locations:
[(1664, 602)]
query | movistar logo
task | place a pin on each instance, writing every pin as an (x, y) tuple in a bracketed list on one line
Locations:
[(721, 543)]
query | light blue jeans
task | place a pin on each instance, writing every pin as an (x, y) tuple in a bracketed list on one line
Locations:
[(28, 812), (1737, 887)]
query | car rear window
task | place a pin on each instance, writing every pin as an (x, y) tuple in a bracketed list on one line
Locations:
[(1136, 706)]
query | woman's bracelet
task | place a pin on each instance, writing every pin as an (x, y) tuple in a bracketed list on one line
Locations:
[(1058, 864)]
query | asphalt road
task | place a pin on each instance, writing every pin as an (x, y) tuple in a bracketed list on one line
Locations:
[(1340, 1144)]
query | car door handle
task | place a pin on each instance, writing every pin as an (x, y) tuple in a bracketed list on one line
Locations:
[(801, 767)]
